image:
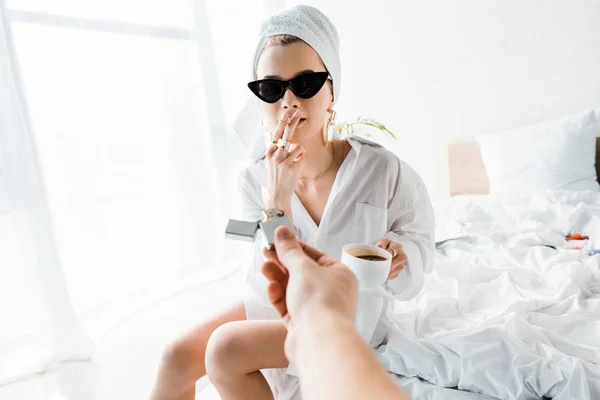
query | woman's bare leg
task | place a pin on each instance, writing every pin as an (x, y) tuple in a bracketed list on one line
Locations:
[(183, 361), (238, 350)]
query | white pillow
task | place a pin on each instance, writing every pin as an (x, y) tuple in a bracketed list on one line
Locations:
[(552, 155)]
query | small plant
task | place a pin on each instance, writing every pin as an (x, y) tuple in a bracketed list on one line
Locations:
[(368, 128)]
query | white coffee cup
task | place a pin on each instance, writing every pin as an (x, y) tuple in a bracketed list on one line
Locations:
[(371, 274)]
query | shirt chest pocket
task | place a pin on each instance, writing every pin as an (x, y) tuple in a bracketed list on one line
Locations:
[(369, 223)]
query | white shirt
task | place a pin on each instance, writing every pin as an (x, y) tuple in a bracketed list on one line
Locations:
[(374, 195)]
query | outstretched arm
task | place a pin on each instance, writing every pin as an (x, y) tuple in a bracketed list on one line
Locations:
[(317, 299)]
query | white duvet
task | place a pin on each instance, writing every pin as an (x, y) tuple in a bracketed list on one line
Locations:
[(504, 314)]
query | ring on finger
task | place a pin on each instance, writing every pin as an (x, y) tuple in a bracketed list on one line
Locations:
[(283, 144), (392, 252), (274, 143)]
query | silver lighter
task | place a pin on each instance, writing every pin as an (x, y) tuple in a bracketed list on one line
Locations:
[(245, 230)]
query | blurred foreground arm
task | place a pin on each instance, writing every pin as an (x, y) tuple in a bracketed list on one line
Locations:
[(317, 298)]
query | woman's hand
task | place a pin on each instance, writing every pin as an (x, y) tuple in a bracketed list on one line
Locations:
[(282, 166), (399, 257)]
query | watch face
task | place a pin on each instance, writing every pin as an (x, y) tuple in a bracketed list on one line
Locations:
[(273, 213)]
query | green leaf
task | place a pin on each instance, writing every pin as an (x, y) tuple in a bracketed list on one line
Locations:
[(365, 126)]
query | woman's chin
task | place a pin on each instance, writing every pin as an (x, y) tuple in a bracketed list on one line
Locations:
[(302, 135)]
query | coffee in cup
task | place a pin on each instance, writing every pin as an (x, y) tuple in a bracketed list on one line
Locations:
[(372, 257), (370, 264)]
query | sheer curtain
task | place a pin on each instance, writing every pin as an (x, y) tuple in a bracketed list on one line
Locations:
[(117, 164)]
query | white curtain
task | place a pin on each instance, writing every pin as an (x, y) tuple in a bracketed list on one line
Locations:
[(117, 165), (38, 323)]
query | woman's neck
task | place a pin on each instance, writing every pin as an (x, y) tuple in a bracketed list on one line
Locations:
[(317, 157)]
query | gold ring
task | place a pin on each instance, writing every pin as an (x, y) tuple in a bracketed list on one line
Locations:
[(283, 144), (392, 252), (274, 143)]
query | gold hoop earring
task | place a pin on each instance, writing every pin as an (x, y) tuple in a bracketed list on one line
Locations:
[(328, 131)]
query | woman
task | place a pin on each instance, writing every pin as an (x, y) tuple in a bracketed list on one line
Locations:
[(334, 191)]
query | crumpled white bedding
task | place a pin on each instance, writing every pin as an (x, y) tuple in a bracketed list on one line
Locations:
[(504, 314)]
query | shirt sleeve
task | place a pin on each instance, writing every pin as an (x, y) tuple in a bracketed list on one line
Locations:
[(412, 223)]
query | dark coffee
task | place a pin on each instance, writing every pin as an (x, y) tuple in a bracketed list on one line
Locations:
[(372, 257)]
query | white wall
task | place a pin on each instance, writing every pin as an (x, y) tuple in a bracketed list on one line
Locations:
[(438, 70)]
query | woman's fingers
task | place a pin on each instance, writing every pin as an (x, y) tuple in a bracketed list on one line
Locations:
[(286, 125), (271, 149), (291, 128), (283, 121), (383, 243), (295, 154), (388, 245), (398, 264), (399, 257), (280, 155), (276, 135)]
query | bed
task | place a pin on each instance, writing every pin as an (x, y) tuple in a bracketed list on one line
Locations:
[(508, 312)]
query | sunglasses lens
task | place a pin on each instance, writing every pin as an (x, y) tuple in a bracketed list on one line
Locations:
[(308, 85), (270, 91)]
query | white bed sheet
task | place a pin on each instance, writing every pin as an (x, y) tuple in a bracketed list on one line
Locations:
[(503, 314)]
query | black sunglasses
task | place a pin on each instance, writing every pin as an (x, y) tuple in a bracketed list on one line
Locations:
[(304, 86)]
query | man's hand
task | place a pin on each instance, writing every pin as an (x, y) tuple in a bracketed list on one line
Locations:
[(399, 257), (317, 298), (304, 283)]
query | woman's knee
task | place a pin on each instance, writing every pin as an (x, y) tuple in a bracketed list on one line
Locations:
[(184, 357), (224, 351)]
